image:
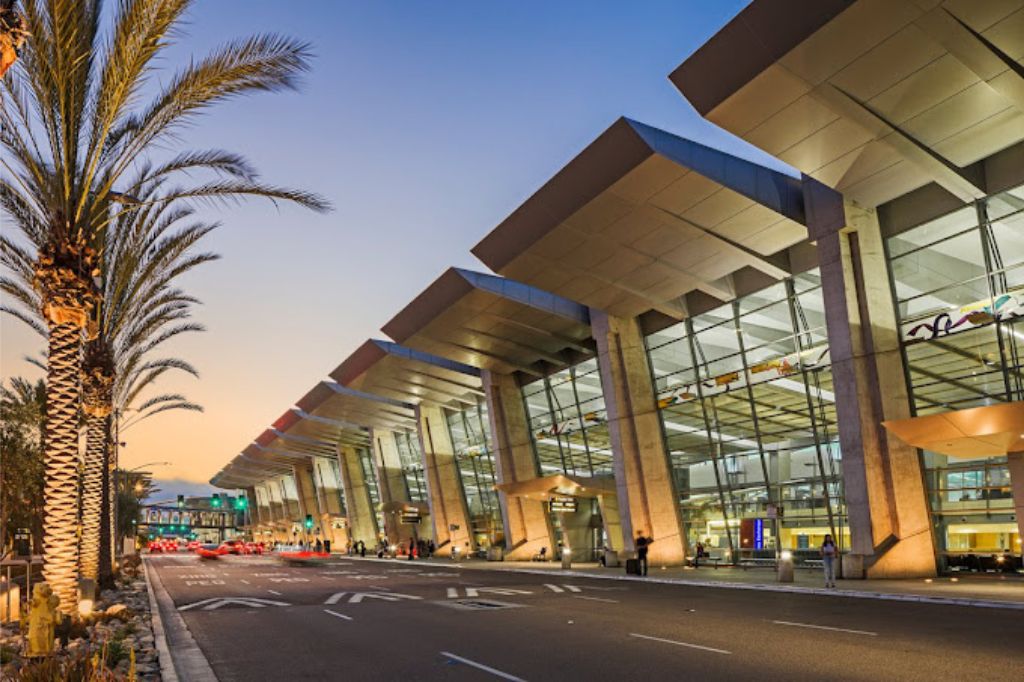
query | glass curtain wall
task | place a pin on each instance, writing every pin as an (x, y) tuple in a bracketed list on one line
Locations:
[(569, 423), (328, 480), (290, 497), (474, 455), (958, 282), (746, 403), (370, 479), (412, 465)]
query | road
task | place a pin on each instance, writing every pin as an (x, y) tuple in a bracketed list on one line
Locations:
[(257, 619)]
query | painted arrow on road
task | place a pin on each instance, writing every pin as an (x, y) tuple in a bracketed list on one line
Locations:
[(217, 602), (357, 597)]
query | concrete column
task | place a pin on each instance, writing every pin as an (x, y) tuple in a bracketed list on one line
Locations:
[(362, 521), (447, 500), (612, 521), (527, 524), (643, 472), (882, 477), (392, 484), (1015, 464)]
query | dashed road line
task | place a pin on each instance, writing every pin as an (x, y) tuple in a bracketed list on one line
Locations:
[(481, 666), (686, 644), (607, 601), (825, 627), (274, 592)]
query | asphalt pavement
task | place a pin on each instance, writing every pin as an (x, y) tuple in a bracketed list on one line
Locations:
[(256, 618)]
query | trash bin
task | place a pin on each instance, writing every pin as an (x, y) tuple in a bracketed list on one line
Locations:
[(495, 553), (611, 558), (785, 567)]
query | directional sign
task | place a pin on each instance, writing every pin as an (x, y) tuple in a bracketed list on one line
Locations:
[(357, 597), (217, 602), (563, 503)]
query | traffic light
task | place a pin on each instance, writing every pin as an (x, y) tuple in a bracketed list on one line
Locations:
[(215, 502), (241, 503), (181, 501), (309, 522)]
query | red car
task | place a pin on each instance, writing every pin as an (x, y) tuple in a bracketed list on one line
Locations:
[(155, 546), (233, 547), (210, 551), (193, 545), (254, 548)]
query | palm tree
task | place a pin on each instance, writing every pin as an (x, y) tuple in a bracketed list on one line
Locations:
[(22, 423), (74, 126)]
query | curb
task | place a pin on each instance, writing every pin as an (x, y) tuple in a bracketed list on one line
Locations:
[(759, 587), (189, 664)]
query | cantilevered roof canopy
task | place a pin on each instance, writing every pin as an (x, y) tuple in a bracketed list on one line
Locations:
[(643, 217), (875, 98), (333, 401), (395, 372), (493, 323), (988, 431)]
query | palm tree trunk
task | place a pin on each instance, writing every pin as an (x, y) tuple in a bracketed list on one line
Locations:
[(106, 574), (60, 494), (92, 493)]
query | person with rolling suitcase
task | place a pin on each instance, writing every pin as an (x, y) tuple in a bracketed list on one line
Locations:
[(638, 566)]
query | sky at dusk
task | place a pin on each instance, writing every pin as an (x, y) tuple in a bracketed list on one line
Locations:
[(425, 124)]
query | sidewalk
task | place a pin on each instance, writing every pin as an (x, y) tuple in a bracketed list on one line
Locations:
[(989, 590)]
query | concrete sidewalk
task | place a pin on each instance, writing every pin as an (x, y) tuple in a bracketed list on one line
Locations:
[(988, 590)]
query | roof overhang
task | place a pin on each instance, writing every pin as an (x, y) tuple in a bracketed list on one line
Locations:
[(331, 400), (873, 98), (397, 373), (988, 431), (493, 323), (643, 218)]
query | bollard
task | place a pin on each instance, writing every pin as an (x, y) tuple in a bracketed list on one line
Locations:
[(785, 567), (566, 558)]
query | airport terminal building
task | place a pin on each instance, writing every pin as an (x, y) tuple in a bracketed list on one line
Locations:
[(677, 341)]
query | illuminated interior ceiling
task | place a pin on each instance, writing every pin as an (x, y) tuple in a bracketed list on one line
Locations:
[(875, 98), (988, 431), (494, 323), (643, 219), (544, 487)]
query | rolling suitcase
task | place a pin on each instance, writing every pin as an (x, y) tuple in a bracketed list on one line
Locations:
[(633, 566)]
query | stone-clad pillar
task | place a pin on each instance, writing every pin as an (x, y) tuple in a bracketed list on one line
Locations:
[(882, 476), (647, 497), (527, 524), (362, 521), (447, 500), (392, 484)]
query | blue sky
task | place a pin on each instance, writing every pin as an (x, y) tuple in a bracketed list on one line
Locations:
[(425, 124)]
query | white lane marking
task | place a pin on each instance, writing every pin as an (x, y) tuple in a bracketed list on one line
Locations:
[(505, 591), (573, 588), (335, 598), (357, 597), (378, 587), (607, 601), (338, 615), (246, 582), (481, 666), (825, 627), (274, 592), (453, 592), (553, 588), (217, 602), (686, 644)]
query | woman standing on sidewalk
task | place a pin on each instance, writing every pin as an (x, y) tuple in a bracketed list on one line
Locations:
[(828, 560)]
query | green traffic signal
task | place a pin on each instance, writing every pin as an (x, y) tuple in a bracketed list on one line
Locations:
[(215, 501), (309, 522)]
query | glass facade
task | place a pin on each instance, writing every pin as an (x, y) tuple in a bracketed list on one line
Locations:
[(958, 283), (474, 455), (569, 423), (370, 479), (412, 465), (327, 477), (746, 403)]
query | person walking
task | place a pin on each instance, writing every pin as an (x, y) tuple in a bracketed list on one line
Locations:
[(642, 545), (319, 547), (829, 553), (412, 549), (362, 549), (698, 555)]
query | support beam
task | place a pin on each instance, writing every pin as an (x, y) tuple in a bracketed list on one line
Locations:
[(447, 499), (527, 524), (362, 520), (393, 488), (882, 476), (647, 498)]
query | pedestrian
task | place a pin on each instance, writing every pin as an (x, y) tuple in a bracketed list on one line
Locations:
[(828, 560), (412, 549), (327, 546), (642, 544), (362, 549), (319, 547), (698, 555), (430, 548)]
